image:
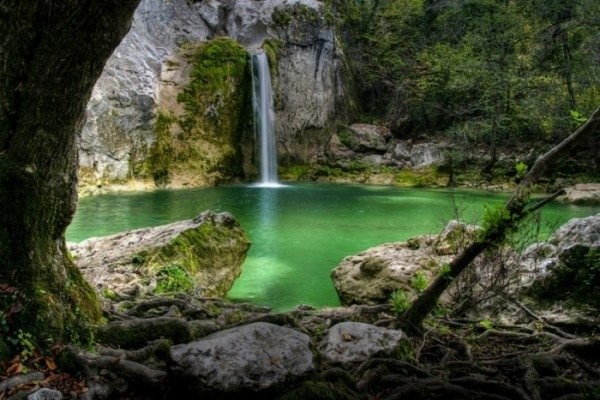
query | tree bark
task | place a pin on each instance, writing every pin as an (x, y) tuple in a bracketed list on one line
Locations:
[(51, 54), (413, 317)]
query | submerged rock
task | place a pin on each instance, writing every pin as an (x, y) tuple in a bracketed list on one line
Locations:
[(253, 357), (204, 254), (351, 342)]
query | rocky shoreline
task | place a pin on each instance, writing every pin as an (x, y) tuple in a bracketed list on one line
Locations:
[(530, 343)]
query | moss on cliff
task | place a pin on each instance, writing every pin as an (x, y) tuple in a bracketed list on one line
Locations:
[(205, 143)]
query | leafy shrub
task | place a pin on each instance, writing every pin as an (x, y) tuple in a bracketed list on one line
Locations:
[(419, 281), (400, 301)]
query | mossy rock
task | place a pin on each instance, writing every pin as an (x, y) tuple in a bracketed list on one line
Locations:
[(205, 144), (204, 254)]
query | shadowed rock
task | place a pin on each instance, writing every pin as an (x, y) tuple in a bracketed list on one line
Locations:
[(253, 357)]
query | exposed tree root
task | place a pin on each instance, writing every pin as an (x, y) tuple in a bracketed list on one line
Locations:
[(453, 359)]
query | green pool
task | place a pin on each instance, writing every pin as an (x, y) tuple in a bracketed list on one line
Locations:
[(301, 231)]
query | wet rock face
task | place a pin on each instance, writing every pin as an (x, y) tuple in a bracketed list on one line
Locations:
[(146, 74), (253, 357), (204, 255), (351, 342)]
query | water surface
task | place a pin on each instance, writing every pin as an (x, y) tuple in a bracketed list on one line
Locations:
[(299, 232)]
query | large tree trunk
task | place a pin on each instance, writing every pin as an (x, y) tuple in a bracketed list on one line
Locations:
[(51, 54), (514, 212)]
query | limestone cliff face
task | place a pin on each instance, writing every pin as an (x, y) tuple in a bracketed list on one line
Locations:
[(138, 125)]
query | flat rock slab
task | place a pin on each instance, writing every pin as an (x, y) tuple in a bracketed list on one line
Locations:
[(352, 342), (583, 193), (252, 357)]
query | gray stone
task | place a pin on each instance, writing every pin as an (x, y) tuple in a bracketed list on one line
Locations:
[(146, 73), (120, 114), (370, 277), (45, 394), (540, 258), (124, 266), (364, 138), (578, 231), (19, 380), (401, 152), (352, 342), (425, 154), (252, 357), (583, 193)]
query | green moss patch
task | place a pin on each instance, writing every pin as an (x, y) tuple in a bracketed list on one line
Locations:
[(173, 278), (206, 141), (205, 257)]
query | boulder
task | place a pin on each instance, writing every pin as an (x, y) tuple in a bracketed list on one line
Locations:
[(567, 267), (401, 152), (370, 277), (578, 231), (583, 193), (352, 342), (45, 394), (364, 138), (249, 358), (204, 254), (425, 154)]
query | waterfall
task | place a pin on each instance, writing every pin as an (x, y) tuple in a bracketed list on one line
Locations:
[(262, 99)]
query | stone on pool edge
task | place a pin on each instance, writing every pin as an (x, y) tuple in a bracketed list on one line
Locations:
[(252, 357), (352, 342)]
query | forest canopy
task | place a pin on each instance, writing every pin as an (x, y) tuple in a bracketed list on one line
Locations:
[(491, 71)]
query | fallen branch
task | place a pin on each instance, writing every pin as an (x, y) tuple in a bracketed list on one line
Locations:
[(513, 212)]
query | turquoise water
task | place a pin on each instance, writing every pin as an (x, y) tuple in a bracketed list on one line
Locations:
[(298, 232)]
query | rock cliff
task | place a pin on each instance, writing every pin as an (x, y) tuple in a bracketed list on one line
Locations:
[(139, 127)]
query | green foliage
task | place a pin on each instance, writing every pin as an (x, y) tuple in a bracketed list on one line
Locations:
[(173, 279), (486, 324), (281, 17), (490, 71), (109, 294), (493, 218), (399, 301), (162, 153), (521, 169), (577, 117), (419, 281), (445, 271), (137, 259)]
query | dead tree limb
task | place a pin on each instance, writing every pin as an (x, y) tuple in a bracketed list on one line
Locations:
[(515, 210)]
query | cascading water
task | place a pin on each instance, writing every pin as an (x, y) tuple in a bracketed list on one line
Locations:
[(262, 98)]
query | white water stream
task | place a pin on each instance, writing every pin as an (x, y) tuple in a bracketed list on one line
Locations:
[(262, 98)]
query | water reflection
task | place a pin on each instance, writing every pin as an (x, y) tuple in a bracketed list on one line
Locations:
[(298, 232)]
